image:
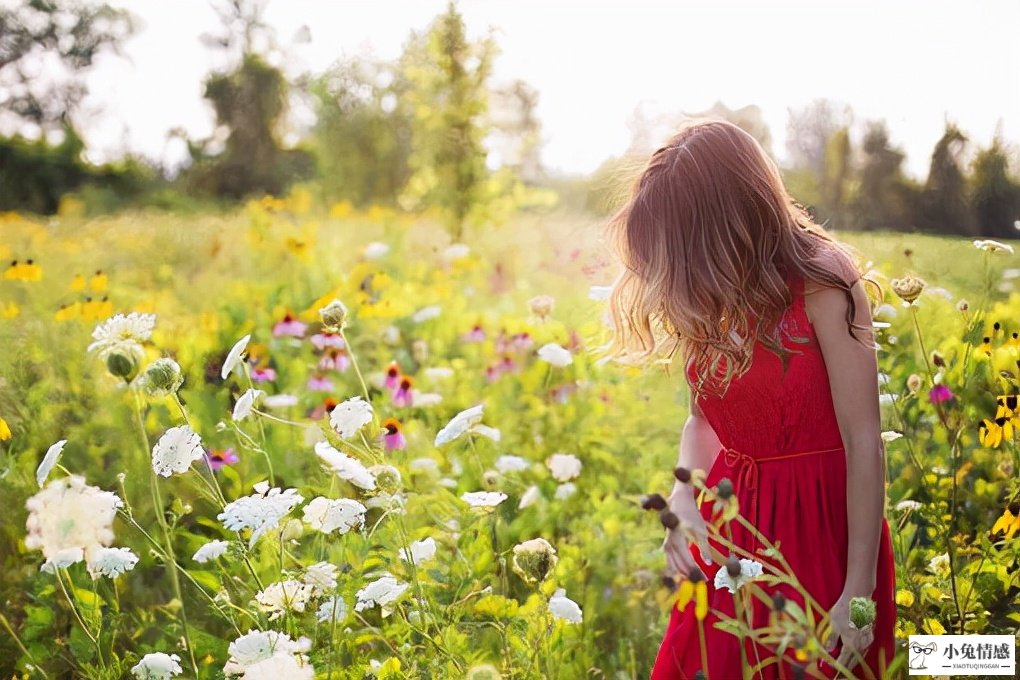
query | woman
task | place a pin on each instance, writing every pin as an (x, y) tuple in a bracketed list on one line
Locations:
[(736, 275)]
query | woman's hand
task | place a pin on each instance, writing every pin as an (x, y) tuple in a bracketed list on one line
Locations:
[(676, 545), (854, 639)]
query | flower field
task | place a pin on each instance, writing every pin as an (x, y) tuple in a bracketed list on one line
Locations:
[(285, 442)]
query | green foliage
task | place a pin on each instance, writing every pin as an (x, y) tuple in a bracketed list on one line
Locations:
[(943, 205), (993, 193)]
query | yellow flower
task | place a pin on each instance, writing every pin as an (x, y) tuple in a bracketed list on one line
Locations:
[(694, 587), (9, 311), (991, 432), (99, 282), (340, 210), (68, 312), (1007, 406), (23, 271), (1009, 523), (5, 430), (904, 598), (77, 284)]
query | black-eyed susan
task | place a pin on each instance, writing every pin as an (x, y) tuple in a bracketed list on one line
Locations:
[(986, 345), (992, 431), (27, 270), (1009, 523), (68, 311), (99, 282), (77, 284), (1007, 405), (394, 438), (694, 587), (9, 310)]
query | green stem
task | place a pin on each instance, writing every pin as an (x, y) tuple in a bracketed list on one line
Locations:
[(262, 430)]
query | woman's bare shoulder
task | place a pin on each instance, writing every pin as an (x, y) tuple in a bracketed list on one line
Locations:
[(837, 262)]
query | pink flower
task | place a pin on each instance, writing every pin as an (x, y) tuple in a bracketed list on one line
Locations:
[(394, 438), (522, 341), (263, 374), (320, 383), (403, 396), (218, 458), (392, 376), (939, 394), (334, 360), (492, 373), (476, 334), (289, 326), (328, 339)]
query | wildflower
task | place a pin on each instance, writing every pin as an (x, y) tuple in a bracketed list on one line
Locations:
[(124, 360), (555, 354), (5, 430), (256, 647), (344, 467), (110, 562), (328, 339), (403, 395), (48, 462), (908, 504), (120, 330), (320, 383), (394, 438), (476, 334), (541, 306), (962, 305), (420, 350), (157, 666), (694, 587), (334, 316), (328, 515), (456, 251), (529, 497), (908, 288), (99, 281), (914, 382), (320, 577), (69, 519), (77, 284), (283, 596), (939, 565), (1009, 522), (564, 466), (1007, 405), (862, 611), (426, 313), (483, 499), (260, 511), (563, 608), (564, 491), (534, 560), (210, 551), (509, 463), (280, 401), (220, 458), (289, 326), (890, 436), (420, 551), (175, 451), (233, 359), (263, 374), (350, 416), (162, 378), (992, 432), (383, 591), (939, 393), (992, 246), (459, 424), (375, 250), (332, 610), (23, 271), (736, 573)]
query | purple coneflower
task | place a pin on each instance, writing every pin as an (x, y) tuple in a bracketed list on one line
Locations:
[(392, 376), (334, 360), (476, 334), (328, 339), (403, 395), (218, 458), (289, 326), (394, 438), (320, 383), (263, 374), (940, 393)]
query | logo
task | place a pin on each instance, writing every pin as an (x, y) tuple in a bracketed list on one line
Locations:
[(962, 655)]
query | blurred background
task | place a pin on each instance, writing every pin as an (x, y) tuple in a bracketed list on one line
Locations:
[(900, 117)]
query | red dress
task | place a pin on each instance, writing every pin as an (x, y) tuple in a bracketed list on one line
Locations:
[(798, 501)]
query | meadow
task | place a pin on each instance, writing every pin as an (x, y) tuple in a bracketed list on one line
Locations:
[(332, 443)]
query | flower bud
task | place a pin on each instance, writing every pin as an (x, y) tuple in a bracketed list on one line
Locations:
[(778, 601), (696, 575), (962, 305), (123, 361), (534, 560), (653, 501), (724, 488), (162, 378), (937, 359), (908, 288), (541, 305), (334, 315), (862, 611), (733, 566), (914, 383), (491, 479), (420, 350), (669, 519), (682, 474)]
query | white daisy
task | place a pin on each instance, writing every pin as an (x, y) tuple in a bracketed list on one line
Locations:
[(261, 511), (320, 577), (157, 666), (328, 515), (459, 424), (350, 416), (122, 330), (564, 466), (233, 359), (749, 570), (422, 550), (176, 450), (280, 665), (256, 646), (210, 551), (110, 562), (48, 462), (283, 596), (509, 463), (483, 499), (69, 517), (333, 608), (344, 467), (563, 608), (382, 591), (246, 402), (908, 504), (992, 246), (555, 354)]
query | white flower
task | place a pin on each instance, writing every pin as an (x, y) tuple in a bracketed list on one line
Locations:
[(387, 501), (68, 518), (459, 424), (48, 461), (382, 591), (599, 292), (350, 416), (328, 515), (121, 330), (111, 562), (555, 354), (885, 309), (564, 466), (157, 666), (278, 667), (261, 511), (563, 608), (890, 436), (344, 466), (284, 596), (332, 609), (210, 551), (532, 494), (508, 463), (456, 251), (486, 431), (749, 570), (320, 577), (992, 246), (438, 372), (423, 464), (376, 249), (257, 646), (565, 490), (246, 402), (176, 450), (939, 565), (422, 550), (233, 359), (483, 499), (426, 313), (280, 401), (908, 505)]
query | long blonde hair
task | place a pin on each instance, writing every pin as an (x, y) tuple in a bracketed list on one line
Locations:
[(709, 240)]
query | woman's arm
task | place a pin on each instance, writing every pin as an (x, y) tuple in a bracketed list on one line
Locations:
[(699, 446), (853, 380)]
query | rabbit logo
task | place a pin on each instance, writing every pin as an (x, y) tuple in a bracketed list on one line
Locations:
[(918, 654)]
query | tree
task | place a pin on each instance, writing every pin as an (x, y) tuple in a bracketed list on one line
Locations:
[(994, 195), (884, 197), (66, 37), (943, 206), (517, 129), (448, 94)]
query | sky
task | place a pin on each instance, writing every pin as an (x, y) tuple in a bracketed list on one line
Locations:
[(916, 64)]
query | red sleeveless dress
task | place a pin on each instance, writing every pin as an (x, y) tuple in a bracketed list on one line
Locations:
[(783, 451)]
